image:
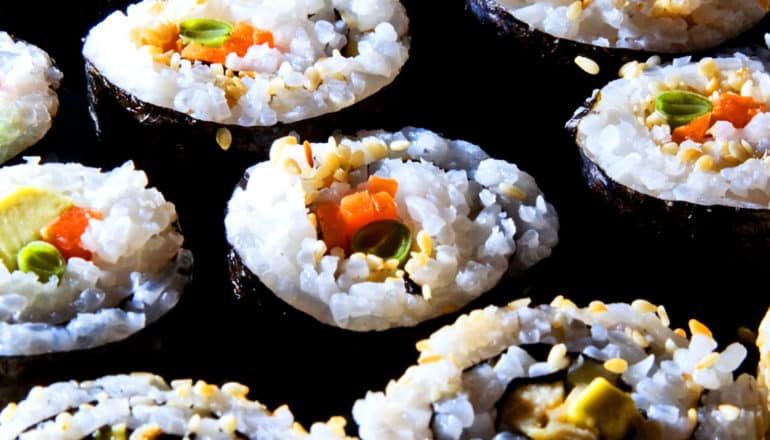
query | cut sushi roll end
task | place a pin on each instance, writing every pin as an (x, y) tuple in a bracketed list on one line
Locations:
[(86, 257), (609, 371), (387, 229), (683, 140), (28, 99), (144, 406), (251, 65)]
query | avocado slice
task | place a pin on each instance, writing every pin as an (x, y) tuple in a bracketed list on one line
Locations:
[(23, 214), (603, 407)]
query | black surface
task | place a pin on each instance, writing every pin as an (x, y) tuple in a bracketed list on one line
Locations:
[(459, 81)]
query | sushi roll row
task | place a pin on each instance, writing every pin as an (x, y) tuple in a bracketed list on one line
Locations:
[(86, 257), (144, 406), (28, 99), (520, 371), (386, 229)]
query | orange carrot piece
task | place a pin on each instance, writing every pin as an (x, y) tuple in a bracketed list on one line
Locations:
[(308, 153), (695, 130), (262, 36), (244, 36), (736, 109), (332, 226), (357, 210), (380, 184), (66, 230), (384, 207), (195, 51)]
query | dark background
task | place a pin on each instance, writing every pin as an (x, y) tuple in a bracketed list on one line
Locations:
[(460, 81)]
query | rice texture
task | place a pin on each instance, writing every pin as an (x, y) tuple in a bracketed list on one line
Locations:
[(653, 25), (722, 161), (301, 58), (471, 218), (28, 100), (126, 270), (494, 374), (144, 406)]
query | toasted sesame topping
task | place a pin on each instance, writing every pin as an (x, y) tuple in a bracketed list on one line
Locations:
[(400, 145), (616, 365), (705, 163), (557, 357), (224, 138), (644, 306), (587, 64), (512, 191), (597, 307), (729, 412), (228, 424), (697, 327), (708, 361)]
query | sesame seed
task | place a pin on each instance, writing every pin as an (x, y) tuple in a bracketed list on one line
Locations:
[(616, 365), (587, 64), (224, 138), (697, 327)]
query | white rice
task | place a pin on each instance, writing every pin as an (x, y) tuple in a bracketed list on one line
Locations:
[(28, 100), (130, 281), (654, 25), (472, 217), (632, 142), (148, 407), (305, 75), (464, 369)]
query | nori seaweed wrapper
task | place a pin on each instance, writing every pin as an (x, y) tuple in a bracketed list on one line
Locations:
[(155, 131)]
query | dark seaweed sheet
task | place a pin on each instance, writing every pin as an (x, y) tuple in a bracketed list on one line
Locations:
[(462, 81)]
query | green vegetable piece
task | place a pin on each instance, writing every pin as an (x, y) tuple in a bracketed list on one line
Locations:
[(116, 432), (42, 259), (681, 107), (23, 213), (385, 238), (205, 31)]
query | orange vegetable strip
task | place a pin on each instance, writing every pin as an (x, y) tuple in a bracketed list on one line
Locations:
[(380, 184), (195, 51), (66, 230), (332, 226), (695, 130), (736, 109)]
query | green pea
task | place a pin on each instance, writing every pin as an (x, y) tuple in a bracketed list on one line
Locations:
[(42, 259), (681, 107), (385, 238), (205, 31)]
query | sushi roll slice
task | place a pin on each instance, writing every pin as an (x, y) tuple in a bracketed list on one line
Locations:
[(386, 229), (144, 406), (28, 99), (606, 33), (86, 257), (685, 140), (606, 371), (236, 73)]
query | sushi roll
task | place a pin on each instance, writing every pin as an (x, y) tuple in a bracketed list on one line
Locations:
[(670, 143), (144, 406), (605, 34), (606, 371), (386, 229), (86, 257), (28, 99), (236, 73)]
